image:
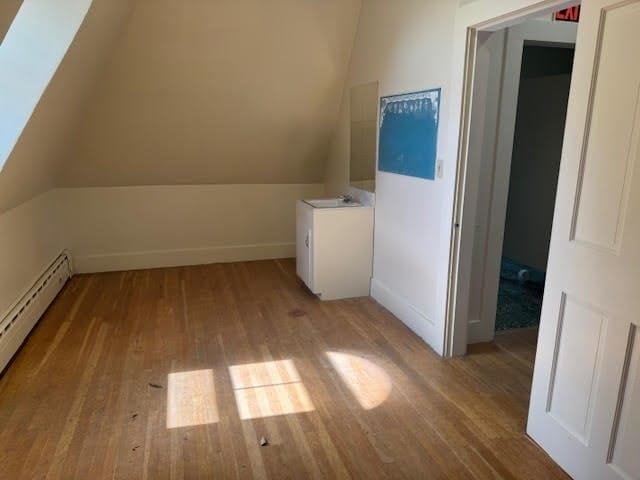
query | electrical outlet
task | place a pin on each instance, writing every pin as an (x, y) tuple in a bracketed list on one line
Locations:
[(439, 168)]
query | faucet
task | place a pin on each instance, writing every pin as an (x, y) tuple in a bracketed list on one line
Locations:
[(346, 198)]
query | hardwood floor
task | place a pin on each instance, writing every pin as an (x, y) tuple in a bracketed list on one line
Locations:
[(179, 373)]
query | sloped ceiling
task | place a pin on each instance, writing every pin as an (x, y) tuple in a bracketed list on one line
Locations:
[(41, 148), (225, 91), (8, 10)]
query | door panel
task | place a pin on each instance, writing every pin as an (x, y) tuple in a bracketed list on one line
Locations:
[(576, 367), (584, 406), (624, 453), (612, 131)]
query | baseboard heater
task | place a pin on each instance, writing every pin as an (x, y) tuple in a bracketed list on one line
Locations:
[(20, 320)]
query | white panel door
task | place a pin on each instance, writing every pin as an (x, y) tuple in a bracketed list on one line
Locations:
[(585, 404)]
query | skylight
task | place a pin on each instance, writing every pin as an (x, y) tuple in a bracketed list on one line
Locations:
[(30, 54)]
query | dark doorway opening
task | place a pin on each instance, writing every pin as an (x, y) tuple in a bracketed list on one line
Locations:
[(537, 148)]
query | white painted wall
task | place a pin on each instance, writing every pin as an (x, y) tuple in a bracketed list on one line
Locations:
[(123, 228), (216, 92), (406, 46), (30, 239)]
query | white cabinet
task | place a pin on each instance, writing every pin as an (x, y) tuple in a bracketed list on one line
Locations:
[(334, 250), (304, 247)]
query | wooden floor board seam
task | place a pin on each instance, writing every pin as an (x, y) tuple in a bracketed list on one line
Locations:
[(179, 373)]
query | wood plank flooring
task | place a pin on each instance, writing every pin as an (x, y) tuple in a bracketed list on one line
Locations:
[(179, 373)]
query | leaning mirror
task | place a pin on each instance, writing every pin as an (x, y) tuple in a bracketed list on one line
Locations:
[(364, 123)]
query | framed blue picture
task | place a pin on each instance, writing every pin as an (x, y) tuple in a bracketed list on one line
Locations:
[(409, 133)]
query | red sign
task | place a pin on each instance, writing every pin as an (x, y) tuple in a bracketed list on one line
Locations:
[(571, 14)]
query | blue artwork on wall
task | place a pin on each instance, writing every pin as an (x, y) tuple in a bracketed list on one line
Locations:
[(409, 133)]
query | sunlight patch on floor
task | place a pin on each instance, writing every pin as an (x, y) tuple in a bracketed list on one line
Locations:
[(267, 389), (191, 399), (368, 383)]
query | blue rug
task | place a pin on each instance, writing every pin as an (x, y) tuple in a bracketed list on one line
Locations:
[(519, 296)]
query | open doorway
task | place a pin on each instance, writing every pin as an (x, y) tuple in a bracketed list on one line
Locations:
[(521, 87), (582, 406), (545, 80)]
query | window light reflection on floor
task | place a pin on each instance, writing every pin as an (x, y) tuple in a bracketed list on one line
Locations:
[(368, 383), (268, 389), (191, 399)]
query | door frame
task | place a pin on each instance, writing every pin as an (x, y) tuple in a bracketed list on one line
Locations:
[(481, 15), (548, 34)]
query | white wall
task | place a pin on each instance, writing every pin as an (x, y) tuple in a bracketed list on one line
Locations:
[(406, 46), (30, 239), (216, 92), (542, 109), (123, 228)]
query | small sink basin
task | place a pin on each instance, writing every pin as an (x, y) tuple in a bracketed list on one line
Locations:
[(332, 203)]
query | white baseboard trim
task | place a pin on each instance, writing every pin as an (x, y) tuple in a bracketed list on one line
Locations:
[(113, 262), (409, 314), (477, 333)]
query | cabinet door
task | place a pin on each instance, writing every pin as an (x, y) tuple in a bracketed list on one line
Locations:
[(304, 246)]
